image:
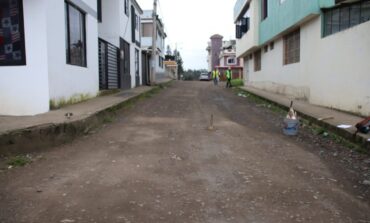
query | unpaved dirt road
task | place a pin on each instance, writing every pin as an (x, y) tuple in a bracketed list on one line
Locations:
[(158, 162)]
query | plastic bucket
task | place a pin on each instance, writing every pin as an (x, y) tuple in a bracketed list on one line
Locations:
[(291, 126)]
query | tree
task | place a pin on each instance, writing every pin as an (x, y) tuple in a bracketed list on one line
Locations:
[(179, 62)]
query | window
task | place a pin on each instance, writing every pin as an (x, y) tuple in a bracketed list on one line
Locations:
[(272, 45), (137, 62), (127, 7), (99, 11), (266, 48), (292, 47), (137, 22), (231, 61), (257, 60), (346, 16), (365, 11), (147, 29), (12, 47), (264, 12), (76, 36)]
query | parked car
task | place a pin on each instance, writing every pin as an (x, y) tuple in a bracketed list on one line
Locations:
[(204, 77)]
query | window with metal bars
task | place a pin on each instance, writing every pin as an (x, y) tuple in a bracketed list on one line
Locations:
[(345, 16), (292, 47)]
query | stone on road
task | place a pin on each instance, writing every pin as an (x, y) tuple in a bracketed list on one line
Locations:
[(160, 162)]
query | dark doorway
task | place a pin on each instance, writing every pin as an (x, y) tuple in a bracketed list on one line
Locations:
[(145, 68), (125, 64)]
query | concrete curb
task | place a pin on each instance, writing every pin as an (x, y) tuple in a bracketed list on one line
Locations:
[(42, 137), (358, 139)]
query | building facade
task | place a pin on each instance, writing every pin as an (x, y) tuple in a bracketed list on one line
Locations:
[(312, 50), (54, 53), (119, 44), (228, 59), (222, 55), (48, 54), (214, 49), (147, 42)]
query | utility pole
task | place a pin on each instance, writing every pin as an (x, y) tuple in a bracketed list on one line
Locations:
[(154, 45)]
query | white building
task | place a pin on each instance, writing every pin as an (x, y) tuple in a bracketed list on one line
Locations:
[(312, 50), (147, 34), (119, 44), (48, 52), (55, 52)]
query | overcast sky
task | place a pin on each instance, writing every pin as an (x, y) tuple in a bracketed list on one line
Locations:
[(190, 24)]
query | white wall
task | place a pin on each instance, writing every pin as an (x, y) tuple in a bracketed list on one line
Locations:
[(250, 39), (24, 89), (66, 81), (333, 71), (110, 21), (341, 61)]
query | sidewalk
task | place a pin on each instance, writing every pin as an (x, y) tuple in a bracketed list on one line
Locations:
[(29, 133), (314, 113), (80, 111)]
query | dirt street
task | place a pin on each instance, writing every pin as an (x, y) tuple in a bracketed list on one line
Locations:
[(159, 162)]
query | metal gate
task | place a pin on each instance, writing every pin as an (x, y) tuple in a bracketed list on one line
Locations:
[(109, 74)]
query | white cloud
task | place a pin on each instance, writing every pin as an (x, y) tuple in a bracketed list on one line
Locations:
[(191, 23)]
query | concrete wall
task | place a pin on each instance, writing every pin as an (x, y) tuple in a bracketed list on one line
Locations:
[(285, 15), (112, 18), (216, 44), (69, 81), (332, 72), (341, 61), (24, 89)]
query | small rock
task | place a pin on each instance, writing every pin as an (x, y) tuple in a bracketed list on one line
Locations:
[(67, 221), (366, 182)]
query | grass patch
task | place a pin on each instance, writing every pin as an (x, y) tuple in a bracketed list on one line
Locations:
[(260, 102), (20, 160), (62, 102), (237, 82), (108, 119)]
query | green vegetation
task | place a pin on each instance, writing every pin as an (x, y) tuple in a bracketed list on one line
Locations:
[(77, 98), (193, 75), (20, 160), (237, 82), (108, 119)]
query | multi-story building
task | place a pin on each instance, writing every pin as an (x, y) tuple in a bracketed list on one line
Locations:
[(222, 55), (119, 44), (61, 52), (312, 50), (48, 54), (228, 59), (147, 42), (214, 50)]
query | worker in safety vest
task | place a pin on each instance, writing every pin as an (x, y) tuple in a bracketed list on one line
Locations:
[(229, 75), (215, 76)]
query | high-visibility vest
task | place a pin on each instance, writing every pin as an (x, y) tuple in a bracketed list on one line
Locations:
[(215, 74), (229, 74)]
